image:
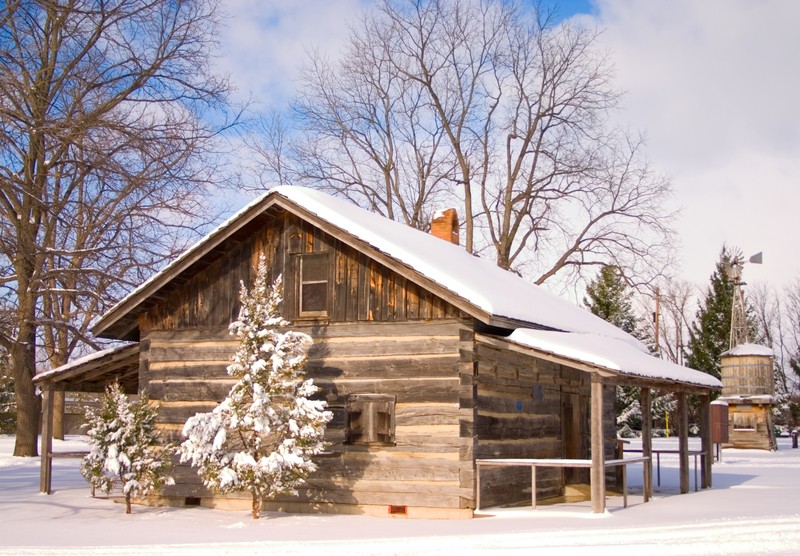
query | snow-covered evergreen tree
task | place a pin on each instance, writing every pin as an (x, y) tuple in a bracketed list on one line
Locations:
[(125, 447), (262, 436)]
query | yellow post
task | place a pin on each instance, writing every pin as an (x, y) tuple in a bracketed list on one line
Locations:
[(666, 413)]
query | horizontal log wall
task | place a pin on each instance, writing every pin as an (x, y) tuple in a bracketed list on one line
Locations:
[(429, 466), (519, 415)]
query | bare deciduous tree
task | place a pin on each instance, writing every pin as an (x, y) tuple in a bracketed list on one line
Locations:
[(494, 106), (778, 317), (104, 157), (673, 315)]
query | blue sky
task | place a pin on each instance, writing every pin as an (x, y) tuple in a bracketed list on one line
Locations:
[(570, 7), (713, 85)]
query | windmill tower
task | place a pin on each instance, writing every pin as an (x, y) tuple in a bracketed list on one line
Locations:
[(739, 330), (747, 375)]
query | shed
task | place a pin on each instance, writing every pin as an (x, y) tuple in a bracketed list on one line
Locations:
[(464, 361)]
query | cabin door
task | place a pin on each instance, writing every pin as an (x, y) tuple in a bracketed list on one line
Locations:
[(572, 434)]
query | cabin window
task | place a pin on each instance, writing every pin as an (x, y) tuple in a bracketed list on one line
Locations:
[(370, 419), (313, 285)]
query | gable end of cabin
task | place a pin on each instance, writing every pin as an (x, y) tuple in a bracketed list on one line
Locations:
[(392, 360)]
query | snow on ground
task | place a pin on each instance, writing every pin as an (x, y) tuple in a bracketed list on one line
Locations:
[(753, 508)]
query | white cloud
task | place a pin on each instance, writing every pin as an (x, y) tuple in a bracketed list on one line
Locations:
[(265, 42), (715, 85)]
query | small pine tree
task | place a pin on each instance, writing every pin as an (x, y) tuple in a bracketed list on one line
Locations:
[(709, 334), (261, 437), (125, 447)]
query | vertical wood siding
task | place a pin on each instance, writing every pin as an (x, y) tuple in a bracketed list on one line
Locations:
[(360, 289)]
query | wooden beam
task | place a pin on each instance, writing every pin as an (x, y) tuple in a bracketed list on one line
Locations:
[(646, 404), (58, 414), (656, 384), (598, 478), (46, 464), (683, 441), (705, 441)]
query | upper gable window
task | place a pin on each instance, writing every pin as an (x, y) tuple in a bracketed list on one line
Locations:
[(313, 285)]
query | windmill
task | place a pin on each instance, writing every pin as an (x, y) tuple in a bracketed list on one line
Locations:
[(739, 329), (746, 371)]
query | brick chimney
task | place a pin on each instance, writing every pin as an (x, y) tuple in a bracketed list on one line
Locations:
[(445, 225)]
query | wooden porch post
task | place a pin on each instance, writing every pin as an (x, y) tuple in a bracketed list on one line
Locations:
[(683, 441), (706, 445), (46, 465), (598, 474), (646, 404), (58, 414)]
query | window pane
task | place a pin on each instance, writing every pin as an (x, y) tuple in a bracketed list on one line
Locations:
[(314, 297), (315, 268), (744, 421)]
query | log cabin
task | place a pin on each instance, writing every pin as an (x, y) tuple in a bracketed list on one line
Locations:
[(431, 359)]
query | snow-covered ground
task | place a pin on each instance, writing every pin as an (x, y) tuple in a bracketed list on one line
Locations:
[(754, 508)]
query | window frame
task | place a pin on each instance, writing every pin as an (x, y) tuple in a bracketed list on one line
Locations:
[(301, 283), (744, 421)]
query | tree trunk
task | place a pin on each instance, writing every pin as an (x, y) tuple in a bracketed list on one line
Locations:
[(128, 503), (29, 405), (256, 505)]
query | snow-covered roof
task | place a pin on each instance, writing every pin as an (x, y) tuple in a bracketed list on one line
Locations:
[(482, 283), (610, 354), (77, 363), (111, 357), (750, 349), (572, 332)]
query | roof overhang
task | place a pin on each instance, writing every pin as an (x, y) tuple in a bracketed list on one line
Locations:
[(121, 321), (95, 371), (610, 363)]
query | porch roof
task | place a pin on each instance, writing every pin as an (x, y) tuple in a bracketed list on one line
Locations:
[(93, 372), (608, 357)]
